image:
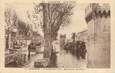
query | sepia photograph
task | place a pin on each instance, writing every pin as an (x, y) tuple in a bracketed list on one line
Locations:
[(57, 35)]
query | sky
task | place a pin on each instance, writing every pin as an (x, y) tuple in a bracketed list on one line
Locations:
[(77, 24)]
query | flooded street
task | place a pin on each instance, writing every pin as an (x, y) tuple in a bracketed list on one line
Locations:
[(64, 60), (56, 34), (67, 60)]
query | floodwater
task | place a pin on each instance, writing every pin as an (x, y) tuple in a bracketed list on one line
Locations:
[(67, 60), (64, 60)]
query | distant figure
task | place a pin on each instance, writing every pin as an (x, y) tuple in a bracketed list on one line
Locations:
[(31, 47), (78, 50), (83, 48)]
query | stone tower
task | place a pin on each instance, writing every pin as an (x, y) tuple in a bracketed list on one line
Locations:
[(98, 20)]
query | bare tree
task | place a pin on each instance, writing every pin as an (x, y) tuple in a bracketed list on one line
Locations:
[(54, 16), (13, 22), (10, 19)]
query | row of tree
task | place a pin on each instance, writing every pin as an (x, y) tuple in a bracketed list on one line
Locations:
[(12, 20), (15, 27), (54, 16)]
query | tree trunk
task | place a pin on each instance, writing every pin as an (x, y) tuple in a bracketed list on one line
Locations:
[(47, 46), (50, 33), (47, 31)]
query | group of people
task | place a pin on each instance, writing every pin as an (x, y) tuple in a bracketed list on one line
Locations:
[(77, 48)]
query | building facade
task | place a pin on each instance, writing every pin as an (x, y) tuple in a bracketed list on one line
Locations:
[(82, 36), (98, 20)]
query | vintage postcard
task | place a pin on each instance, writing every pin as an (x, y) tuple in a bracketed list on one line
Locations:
[(57, 36)]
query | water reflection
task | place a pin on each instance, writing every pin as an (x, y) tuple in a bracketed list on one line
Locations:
[(67, 60)]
